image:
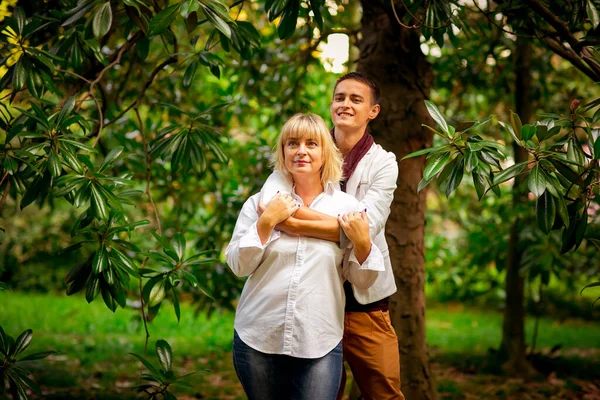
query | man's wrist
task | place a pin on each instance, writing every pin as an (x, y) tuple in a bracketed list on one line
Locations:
[(288, 226)]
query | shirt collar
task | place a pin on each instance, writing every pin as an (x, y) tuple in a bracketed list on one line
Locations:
[(330, 189)]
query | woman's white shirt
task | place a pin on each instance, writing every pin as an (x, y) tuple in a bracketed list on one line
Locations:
[(293, 301)]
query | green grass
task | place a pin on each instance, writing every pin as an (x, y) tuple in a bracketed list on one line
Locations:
[(94, 345), (59, 321), (456, 329)]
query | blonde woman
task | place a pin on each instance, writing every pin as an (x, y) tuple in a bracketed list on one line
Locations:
[(290, 317)]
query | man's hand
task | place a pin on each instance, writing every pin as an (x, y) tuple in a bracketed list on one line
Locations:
[(356, 226)]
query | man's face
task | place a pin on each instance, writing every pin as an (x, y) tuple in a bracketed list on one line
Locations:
[(352, 107)]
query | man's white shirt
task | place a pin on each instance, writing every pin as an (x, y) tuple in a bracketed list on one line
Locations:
[(293, 301)]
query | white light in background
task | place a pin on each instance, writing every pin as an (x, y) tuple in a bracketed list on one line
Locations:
[(335, 52)]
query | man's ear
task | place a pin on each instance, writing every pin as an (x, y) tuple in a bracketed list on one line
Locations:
[(374, 111)]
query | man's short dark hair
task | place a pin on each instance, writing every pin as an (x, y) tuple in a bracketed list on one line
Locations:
[(358, 76)]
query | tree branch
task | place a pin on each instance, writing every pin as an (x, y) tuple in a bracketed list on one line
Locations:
[(570, 56), (147, 84), (560, 27)]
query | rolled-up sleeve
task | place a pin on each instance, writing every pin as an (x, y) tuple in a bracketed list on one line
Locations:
[(245, 251), (362, 276)]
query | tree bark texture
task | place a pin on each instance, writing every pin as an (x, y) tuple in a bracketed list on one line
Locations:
[(513, 329), (392, 56)]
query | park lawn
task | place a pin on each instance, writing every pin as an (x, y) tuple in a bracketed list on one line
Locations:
[(94, 345)]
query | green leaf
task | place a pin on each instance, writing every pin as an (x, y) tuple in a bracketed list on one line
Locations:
[(567, 172), (168, 249), (274, 8), (150, 367), (157, 294), (561, 208), (437, 116), (188, 76), (592, 13), (191, 22), (289, 19), (82, 8), (98, 202), (581, 228), (541, 132), (142, 47), (160, 257), (176, 306), (71, 160), (217, 22), (188, 7), (19, 75), (419, 153), (191, 278), (179, 244), (597, 148), (509, 172), (456, 176), (169, 395), (545, 212), (92, 290), (537, 180), (38, 356), (54, 164), (66, 110), (102, 20), (528, 131), (435, 165), (593, 284), (423, 183), (100, 262), (21, 375), (17, 388), (162, 20), (22, 342), (110, 158), (19, 16), (575, 155), (108, 299), (516, 124), (164, 354), (81, 146), (569, 236), (481, 182), (510, 130), (316, 9)]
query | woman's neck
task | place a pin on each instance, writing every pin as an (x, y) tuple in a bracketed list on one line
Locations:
[(308, 188)]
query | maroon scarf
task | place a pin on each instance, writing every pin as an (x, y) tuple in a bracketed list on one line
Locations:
[(355, 155)]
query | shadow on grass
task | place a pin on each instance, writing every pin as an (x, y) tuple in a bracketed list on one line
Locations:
[(469, 376)]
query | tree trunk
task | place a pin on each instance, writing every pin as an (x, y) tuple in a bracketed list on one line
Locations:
[(392, 56), (513, 330)]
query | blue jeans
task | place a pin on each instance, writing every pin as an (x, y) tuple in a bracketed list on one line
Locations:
[(280, 377)]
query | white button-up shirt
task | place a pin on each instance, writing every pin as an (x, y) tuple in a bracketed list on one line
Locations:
[(372, 183), (293, 301)]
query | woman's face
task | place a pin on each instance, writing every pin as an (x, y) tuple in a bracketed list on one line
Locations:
[(303, 157)]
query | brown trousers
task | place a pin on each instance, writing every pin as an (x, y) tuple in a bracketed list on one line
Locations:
[(371, 349)]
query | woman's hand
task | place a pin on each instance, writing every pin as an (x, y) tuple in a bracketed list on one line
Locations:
[(280, 208), (356, 226)]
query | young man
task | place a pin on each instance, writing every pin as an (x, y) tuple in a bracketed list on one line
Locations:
[(370, 344)]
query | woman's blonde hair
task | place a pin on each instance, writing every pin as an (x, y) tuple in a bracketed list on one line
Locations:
[(310, 126)]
